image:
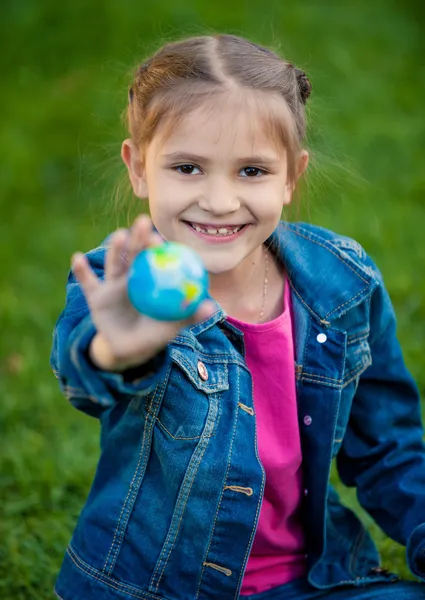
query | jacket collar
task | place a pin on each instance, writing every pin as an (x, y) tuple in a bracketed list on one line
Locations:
[(327, 280)]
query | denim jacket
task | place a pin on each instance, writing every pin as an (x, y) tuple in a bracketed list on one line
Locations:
[(164, 518)]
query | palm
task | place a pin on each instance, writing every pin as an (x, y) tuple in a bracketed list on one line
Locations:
[(131, 336)]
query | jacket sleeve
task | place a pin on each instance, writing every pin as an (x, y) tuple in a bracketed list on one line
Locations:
[(88, 388), (383, 453)]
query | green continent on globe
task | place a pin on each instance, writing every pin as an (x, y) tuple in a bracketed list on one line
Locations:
[(191, 291), (164, 257)]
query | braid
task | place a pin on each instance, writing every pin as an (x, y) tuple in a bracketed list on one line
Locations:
[(304, 85)]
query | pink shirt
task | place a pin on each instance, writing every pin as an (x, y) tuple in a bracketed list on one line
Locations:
[(277, 555)]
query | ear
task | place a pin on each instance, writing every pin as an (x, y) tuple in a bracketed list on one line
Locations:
[(130, 154), (302, 165), (303, 160)]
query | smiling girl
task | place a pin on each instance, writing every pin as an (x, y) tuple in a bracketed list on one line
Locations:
[(218, 433)]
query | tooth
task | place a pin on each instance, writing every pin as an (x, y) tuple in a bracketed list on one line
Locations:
[(211, 230), (222, 230)]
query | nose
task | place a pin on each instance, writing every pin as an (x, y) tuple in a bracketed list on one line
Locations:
[(219, 198)]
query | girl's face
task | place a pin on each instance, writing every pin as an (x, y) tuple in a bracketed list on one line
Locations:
[(217, 184)]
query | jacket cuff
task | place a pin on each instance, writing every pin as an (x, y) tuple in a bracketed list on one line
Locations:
[(415, 552), (136, 381)]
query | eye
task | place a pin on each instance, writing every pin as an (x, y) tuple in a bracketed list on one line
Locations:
[(252, 172), (187, 169)]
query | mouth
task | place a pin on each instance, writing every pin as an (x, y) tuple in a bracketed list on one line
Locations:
[(216, 230)]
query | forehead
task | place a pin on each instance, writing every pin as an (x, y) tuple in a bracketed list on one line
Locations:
[(228, 123)]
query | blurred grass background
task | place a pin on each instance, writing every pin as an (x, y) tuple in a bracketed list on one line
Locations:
[(65, 70)]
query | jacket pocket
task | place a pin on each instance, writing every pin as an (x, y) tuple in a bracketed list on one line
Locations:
[(358, 357), (185, 405)]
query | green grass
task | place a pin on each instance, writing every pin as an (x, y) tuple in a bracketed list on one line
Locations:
[(64, 79)]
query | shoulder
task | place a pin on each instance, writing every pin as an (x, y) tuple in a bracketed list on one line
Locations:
[(96, 256), (342, 245)]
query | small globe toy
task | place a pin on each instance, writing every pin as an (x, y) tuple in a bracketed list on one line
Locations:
[(167, 282)]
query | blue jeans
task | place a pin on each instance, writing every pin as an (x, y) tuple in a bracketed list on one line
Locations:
[(302, 590)]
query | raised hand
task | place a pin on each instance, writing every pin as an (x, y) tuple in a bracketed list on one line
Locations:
[(125, 338)]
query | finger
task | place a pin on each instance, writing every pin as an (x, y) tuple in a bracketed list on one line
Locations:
[(204, 312), (140, 234), (155, 239), (84, 274), (115, 262)]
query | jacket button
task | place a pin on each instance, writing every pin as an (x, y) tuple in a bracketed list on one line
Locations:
[(307, 420), (202, 370), (321, 338)]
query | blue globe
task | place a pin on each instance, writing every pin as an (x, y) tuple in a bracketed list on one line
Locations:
[(167, 282)]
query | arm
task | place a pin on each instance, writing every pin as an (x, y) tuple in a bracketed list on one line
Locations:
[(383, 453), (89, 388)]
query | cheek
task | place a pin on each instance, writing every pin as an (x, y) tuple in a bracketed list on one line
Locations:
[(268, 205), (169, 194)]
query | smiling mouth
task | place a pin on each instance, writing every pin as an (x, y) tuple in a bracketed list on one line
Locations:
[(215, 230)]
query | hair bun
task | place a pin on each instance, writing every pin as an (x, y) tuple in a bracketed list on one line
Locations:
[(304, 85)]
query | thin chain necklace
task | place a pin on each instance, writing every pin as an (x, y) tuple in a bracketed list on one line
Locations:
[(264, 285)]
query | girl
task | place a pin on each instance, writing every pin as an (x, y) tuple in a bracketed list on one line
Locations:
[(218, 433)]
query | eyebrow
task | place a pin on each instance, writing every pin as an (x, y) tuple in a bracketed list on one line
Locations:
[(247, 160)]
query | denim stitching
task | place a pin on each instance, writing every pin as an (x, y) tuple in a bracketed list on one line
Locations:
[(356, 551), (310, 239), (246, 408), (322, 377), (223, 570), (325, 383), (222, 491), (199, 328), (217, 357), (238, 488), (161, 424), (307, 337), (188, 494), (75, 359), (73, 389), (69, 394), (313, 378), (222, 378), (358, 370), (123, 508), (118, 528), (57, 595), (345, 303), (132, 490), (352, 379), (324, 322), (112, 583), (363, 335), (349, 245), (151, 397), (190, 477), (259, 497)]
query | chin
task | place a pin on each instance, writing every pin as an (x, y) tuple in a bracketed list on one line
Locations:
[(216, 267)]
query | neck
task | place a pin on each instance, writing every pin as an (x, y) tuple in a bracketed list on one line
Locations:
[(240, 292)]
